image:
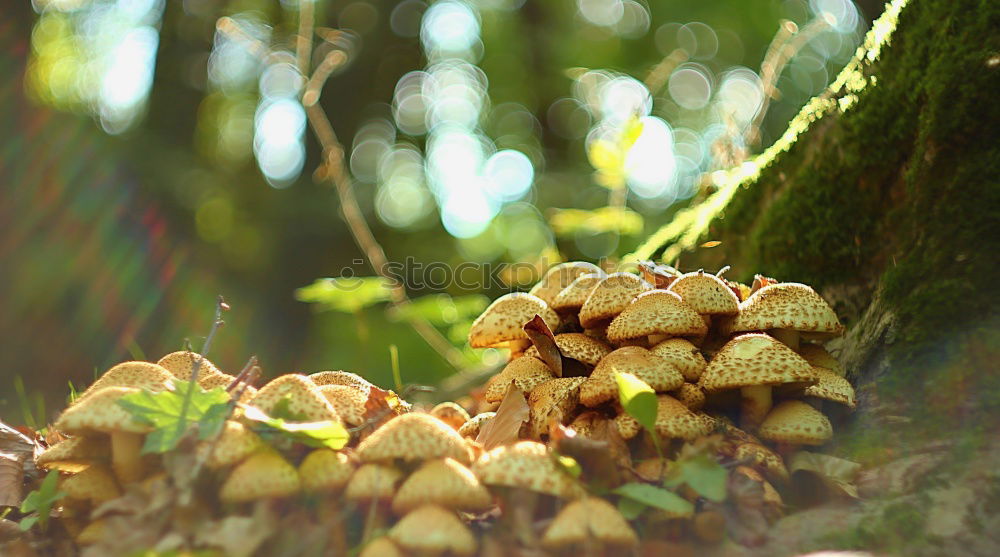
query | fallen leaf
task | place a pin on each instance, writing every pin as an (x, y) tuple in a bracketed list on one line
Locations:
[(656, 497), (505, 426), (837, 474), (760, 281), (660, 276), (545, 342), (12, 440), (11, 478), (237, 536), (710, 244)]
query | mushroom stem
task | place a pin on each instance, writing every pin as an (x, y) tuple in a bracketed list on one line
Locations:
[(657, 338), (125, 457), (755, 403), (707, 319), (519, 513), (789, 337), (517, 347)]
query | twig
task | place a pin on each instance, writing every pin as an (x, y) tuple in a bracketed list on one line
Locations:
[(660, 73), (303, 43), (220, 306)]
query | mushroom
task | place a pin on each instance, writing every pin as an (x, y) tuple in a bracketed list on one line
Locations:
[(181, 364), (305, 402), (683, 355), (95, 485), (830, 387), (690, 395), (137, 375), (673, 421), (446, 483), (754, 363), (324, 470), (577, 346), (381, 547), (99, 412), (602, 386), (413, 437), (657, 314), (817, 356), (786, 310), (265, 475), (560, 276), (371, 488), (609, 298), (74, 454), (526, 373), (760, 457), (706, 294), (571, 298), (223, 380), (553, 401), (590, 525), (235, 443), (794, 422), (349, 402), (627, 426), (432, 530), (470, 429), (344, 378), (451, 414), (502, 322)]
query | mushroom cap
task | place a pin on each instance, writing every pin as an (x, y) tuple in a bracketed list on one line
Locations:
[(611, 295), (442, 482), (74, 454), (577, 346), (471, 428), (526, 465), (304, 399), (432, 530), (628, 427), (832, 387), (235, 443), (706, 294), (96, 484), (676, 421), (587, 422), (224, 380), (504, 319), (100, 412), (265, 475), (819, 357), (381, 547), (413, 436), (325, 470), (137, 375), (752, 360), (560, 276), (340, 377), (451, 414), (526, 372), (349, 402), (796, 423), (373, 481), (553, 400), (573, 296), (759, 456), (787, 305), (690, 395), (685, 356), (657, 312), (181, 363), (602, 386), (588, 521)]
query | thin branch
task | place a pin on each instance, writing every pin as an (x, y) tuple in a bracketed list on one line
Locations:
[(217, 323), (660, 74), (303, 43)]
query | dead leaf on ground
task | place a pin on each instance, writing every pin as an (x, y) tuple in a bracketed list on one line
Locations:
[(660, 276), (503, 428), (11, 478), (760, 281), (837, 474), (13, 440), (545, 342), (238, 536)]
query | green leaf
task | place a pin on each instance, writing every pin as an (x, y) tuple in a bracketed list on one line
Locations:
[(442, 309), (702, 473), (638, 399), (329, 434), (569, 464), (40, 501), (630, 508), (346, 294), (165, 412), (653, 496)]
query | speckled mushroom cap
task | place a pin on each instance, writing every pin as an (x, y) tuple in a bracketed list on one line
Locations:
[(706, 294), (96, 485), (381, 547), (676, 421), (373, 481), (577, 346), (138, 375), (819, 357), (573, 296), (796, 423), (590, 521), (100, 412), (181, 363), (235, 443), (601, 386), (347, 401), (504, 319), (553, 401), (451, 414), (442, 482), (325, 470), (683, 355), (657, 312), (611, 295), (475, 423), (413, 436), (304, 399), (560, 276), (628, 427), (755, 359), (832, 387), (339, 377), (759, 456), (787, 305), (74, 454), (526, 373), (264, 475), (527, 465), (223, 380), (432, 530), (690, 395), (588, 422)]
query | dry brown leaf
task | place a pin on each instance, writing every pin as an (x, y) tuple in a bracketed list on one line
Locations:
[(837, 474), (602, 456), (760, 281), (710, 244), (237, 536), (11, 478), (504, 427), (660, 276), (13, 440), (543, 339)]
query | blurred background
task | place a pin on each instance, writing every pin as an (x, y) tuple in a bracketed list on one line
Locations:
[(157, 154)]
